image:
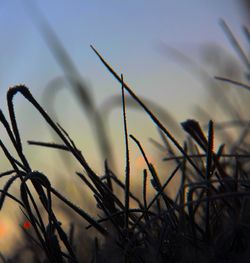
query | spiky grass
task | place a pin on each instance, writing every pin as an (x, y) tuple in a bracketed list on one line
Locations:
[(207, 220)]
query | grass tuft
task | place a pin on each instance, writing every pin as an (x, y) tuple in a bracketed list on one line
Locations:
[(206, 219)]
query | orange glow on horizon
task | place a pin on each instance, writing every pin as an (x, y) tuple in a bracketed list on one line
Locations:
[(140, 162), (3, 229)]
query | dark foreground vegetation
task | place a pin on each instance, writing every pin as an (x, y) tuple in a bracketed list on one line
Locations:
[(206, 220)]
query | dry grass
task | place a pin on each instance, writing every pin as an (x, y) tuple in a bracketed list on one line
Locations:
[(207, 220)]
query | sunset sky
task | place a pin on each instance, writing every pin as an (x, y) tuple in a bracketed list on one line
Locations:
[(129, 34)]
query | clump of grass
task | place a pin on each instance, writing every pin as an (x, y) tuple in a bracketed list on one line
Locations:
[(207, 220)]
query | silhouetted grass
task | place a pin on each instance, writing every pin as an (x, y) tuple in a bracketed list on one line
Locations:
[(205, 220)]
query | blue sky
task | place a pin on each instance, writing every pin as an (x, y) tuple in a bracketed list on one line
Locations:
[(127, 33)]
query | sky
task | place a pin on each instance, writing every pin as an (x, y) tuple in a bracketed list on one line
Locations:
[(130, 35)]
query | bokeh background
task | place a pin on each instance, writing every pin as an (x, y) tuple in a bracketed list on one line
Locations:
[(161, 47)]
